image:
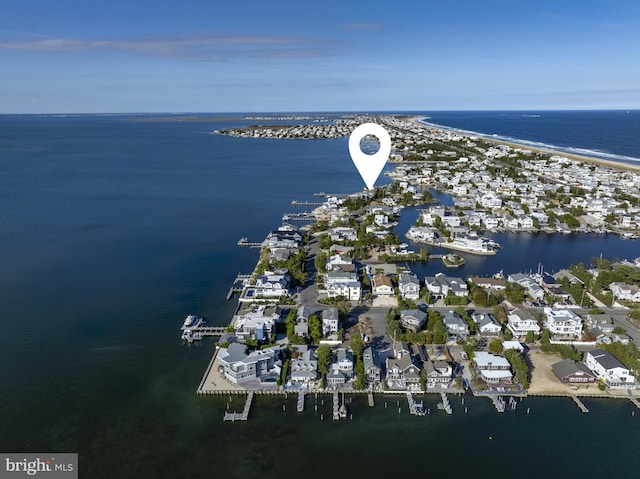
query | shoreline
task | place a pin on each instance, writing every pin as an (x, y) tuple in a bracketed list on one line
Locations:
[(418, 120)]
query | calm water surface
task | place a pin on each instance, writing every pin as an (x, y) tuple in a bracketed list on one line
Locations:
[(112, 230)]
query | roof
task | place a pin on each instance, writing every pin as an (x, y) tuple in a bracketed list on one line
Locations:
[(606, 359), (567, 367), (381, 280), (483, 359)]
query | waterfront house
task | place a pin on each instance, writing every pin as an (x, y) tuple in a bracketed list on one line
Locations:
[(413, 319), (456, 326), (256, 325), (401, 372), (563, 323), (493, 284), (609, 369), (382, 285), (625, 292), (304, 368), (437, 373), (520, 322), (409, 286), (440, 285), (487, 324), (242, 367), (491, 368), (344, 361), (330, 320), (569, 372), (421, 233), (272, 285), (372, 369)]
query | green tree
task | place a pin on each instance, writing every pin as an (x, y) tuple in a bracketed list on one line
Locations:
[(321, 262), (495, 346), (323, 353), (315, 328), (529, 338), (357, 345)]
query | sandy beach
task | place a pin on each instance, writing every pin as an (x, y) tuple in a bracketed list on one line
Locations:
[(583, 158)]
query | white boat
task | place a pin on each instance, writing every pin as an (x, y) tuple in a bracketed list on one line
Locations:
[(189, 320)]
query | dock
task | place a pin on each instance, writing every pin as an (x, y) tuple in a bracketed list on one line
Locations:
[(498, 402), (241, 282), (306, 203), (240, 416), (370, 398), (336, 406), (246, 242), (634, 401), (300, 406), (416, 408), (298, 217), (445, 405), (580, 404)]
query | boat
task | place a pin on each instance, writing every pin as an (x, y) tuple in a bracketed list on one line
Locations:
[(342, 411), (189, 320)]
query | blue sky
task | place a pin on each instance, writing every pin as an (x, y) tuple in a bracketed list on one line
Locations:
[(214, 56)]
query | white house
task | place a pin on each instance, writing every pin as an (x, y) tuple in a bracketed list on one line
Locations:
[(491, 368), (563, 323), (520, 322), (330, 320), (409, 286), (272, 285), (487, 324), (624, 291), (304, 368), (239, 366), (441, 285), (608, 369)]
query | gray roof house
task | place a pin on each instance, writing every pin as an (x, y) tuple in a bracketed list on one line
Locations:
[(372, 369), (455, 325), (409, 286), (413, 319), (240, 367), (568, 371)]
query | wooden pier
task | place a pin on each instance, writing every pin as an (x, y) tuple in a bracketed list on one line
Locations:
[(580, 404), (498, 402), (300, 407), (239, 284), (370, 398), (240, 416), (306, 203), (416, 408), (298, 217), (634, 401), (245, 242), (336, 406), (445, 405)]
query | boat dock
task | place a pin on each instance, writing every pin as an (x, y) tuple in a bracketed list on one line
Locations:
[(306, 203), (634, 400), (240, 416), (241, 282), (445, 405), (246, 242), (306, 216), (498, 402), (300, 406), (336, 406), (415, 408), (580, 404), (370, 398)]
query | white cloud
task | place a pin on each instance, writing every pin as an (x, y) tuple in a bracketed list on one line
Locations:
[(203, 47)]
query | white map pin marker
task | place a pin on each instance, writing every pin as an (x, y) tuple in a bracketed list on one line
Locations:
[(369, 166)]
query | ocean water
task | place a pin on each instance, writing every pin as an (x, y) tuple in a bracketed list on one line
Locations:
[(608, 134), (113, 229)]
